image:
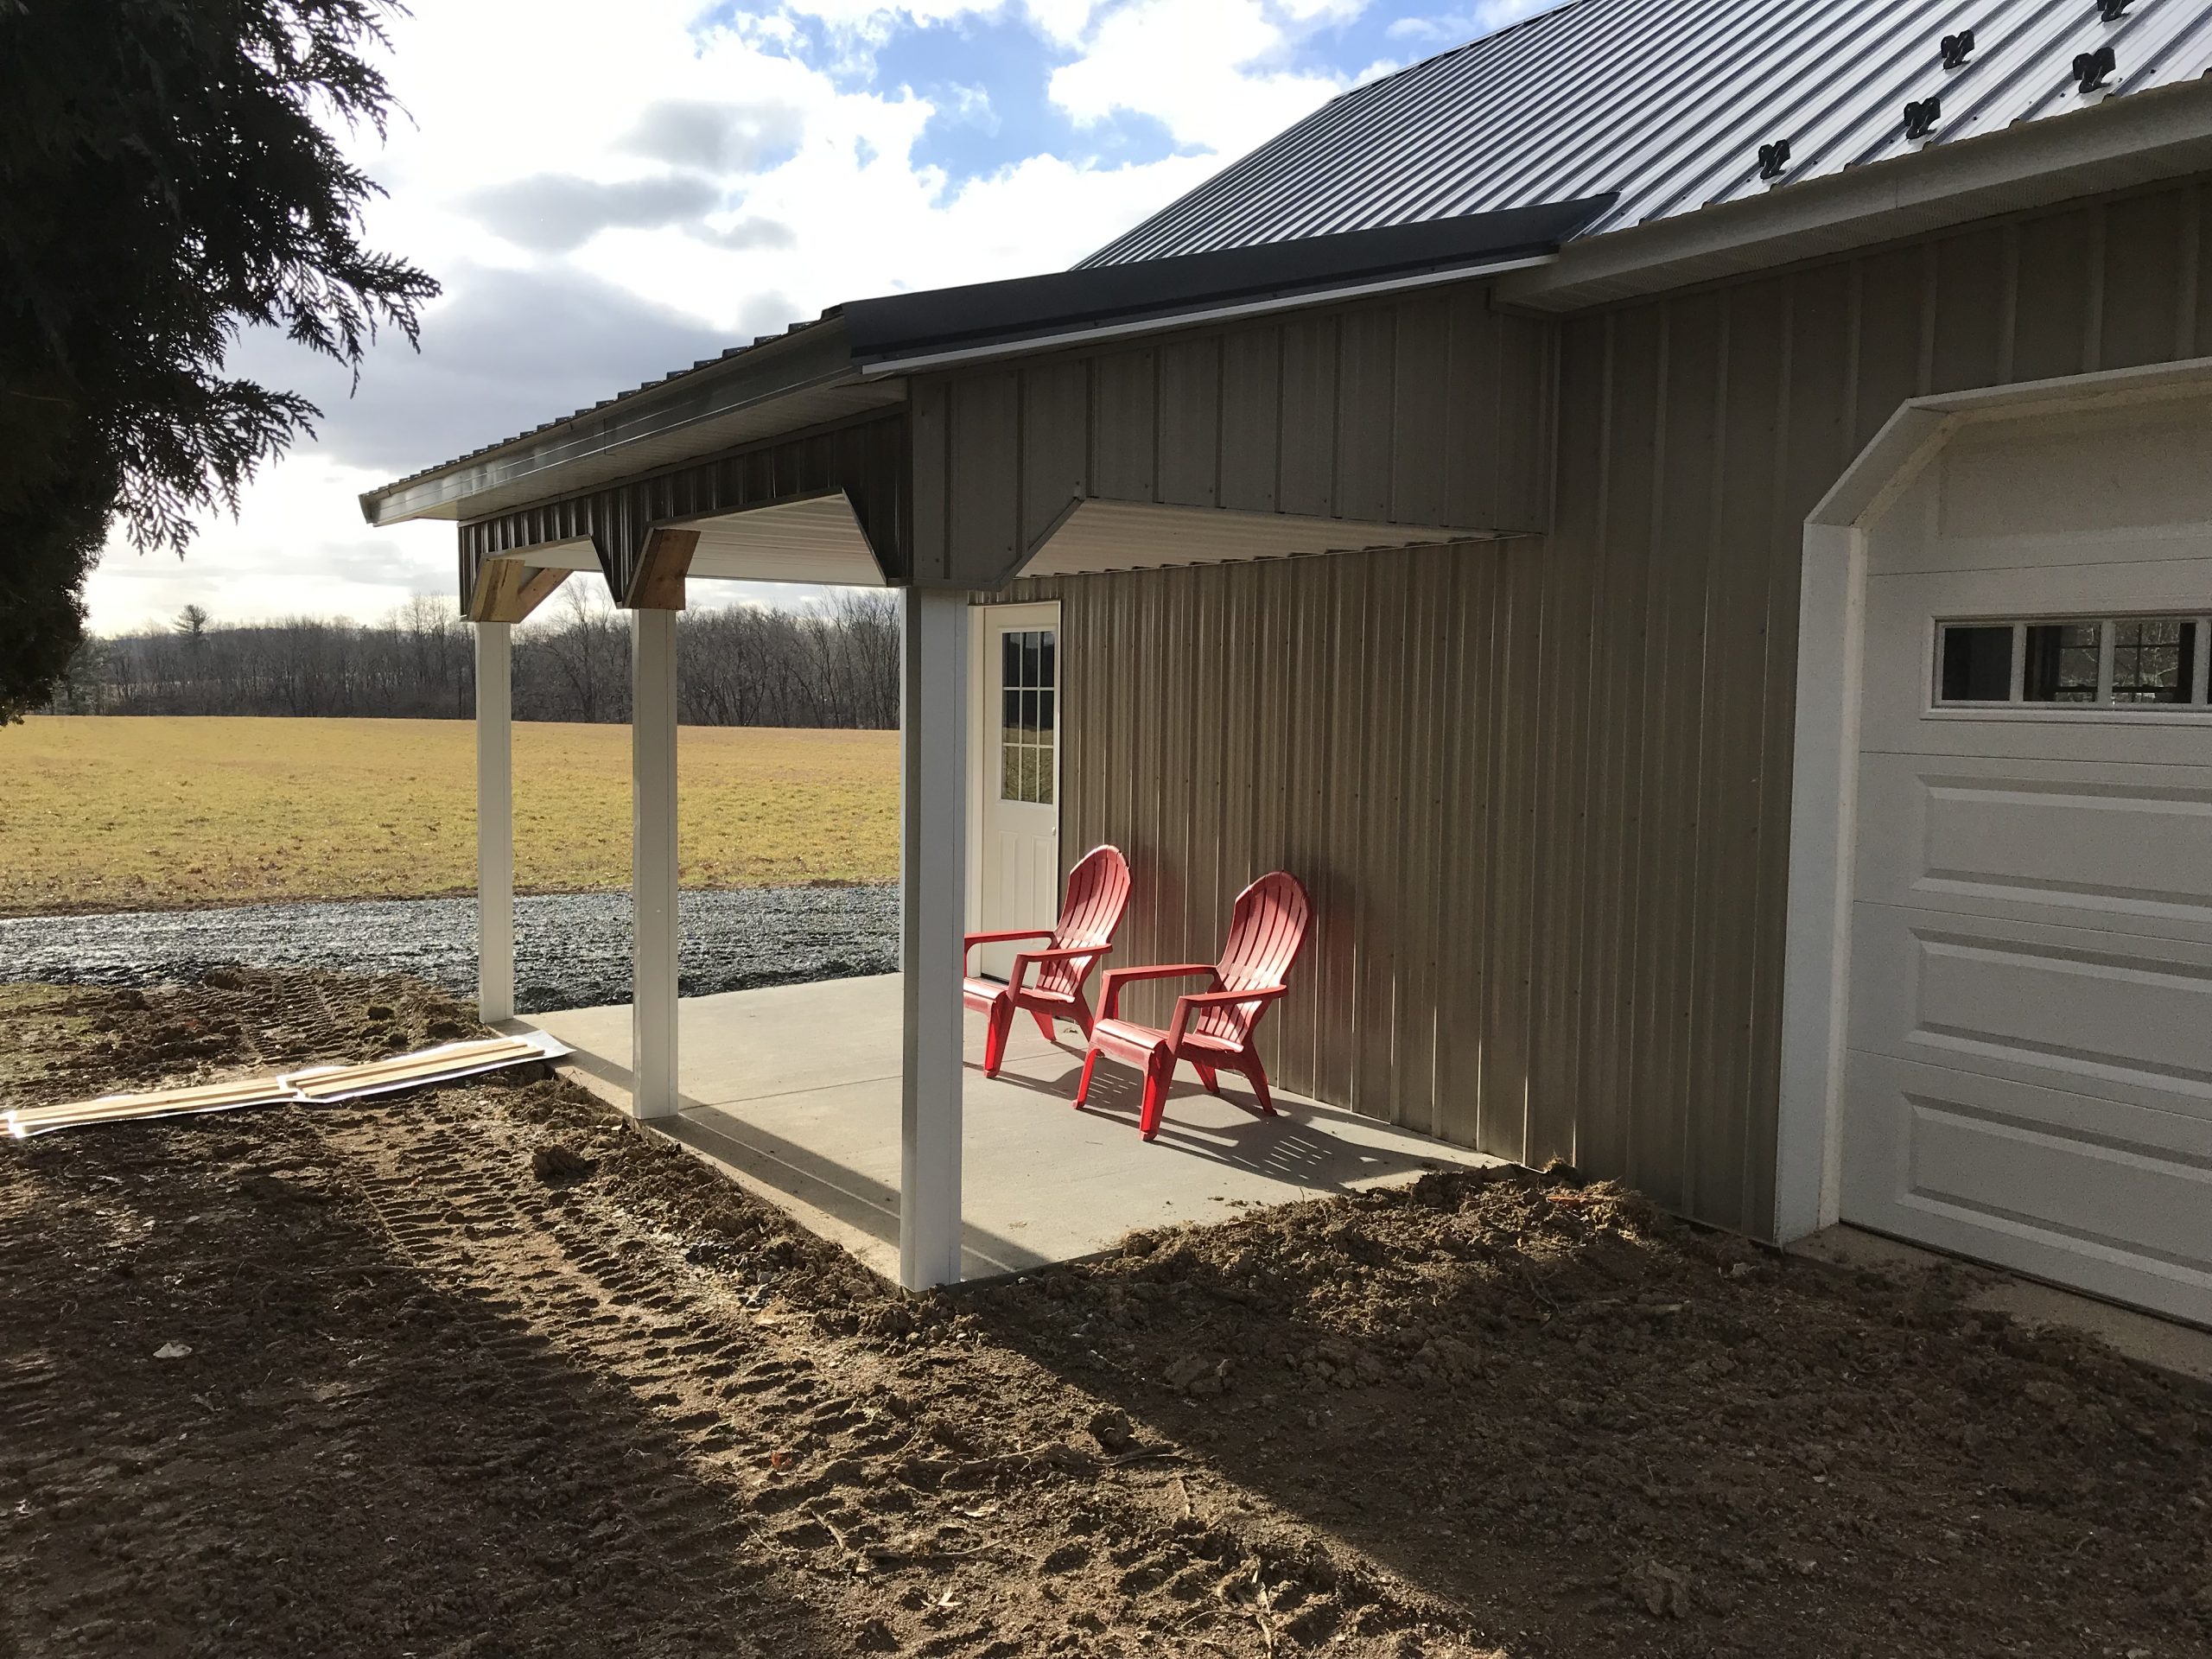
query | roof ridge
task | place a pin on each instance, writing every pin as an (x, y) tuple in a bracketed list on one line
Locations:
[(1488, 39)]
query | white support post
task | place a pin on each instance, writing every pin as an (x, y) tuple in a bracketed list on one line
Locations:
[(495, 824), (652, 863), (933, 858)]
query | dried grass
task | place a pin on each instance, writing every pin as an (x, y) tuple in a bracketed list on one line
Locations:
[(120, 813)]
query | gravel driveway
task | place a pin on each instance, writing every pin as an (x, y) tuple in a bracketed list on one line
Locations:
[(572, 951)]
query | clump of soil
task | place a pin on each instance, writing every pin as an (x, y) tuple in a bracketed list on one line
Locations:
[(484, 1370)]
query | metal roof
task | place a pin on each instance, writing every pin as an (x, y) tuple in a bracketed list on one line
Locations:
[(1668, 103), (1089, 301), (814, 371)]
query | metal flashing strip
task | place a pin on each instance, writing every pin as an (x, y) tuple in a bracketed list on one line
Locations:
[(1095, 334), (329, 1084), (1092, 302), (321, 1085), (26, 1122)]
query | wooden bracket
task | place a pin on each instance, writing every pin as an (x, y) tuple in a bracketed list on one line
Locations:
[(663, 564), (508, 590)]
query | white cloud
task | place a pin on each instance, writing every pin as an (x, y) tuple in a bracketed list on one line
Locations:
[(1214, 75), (608, 195), (1455, 28)]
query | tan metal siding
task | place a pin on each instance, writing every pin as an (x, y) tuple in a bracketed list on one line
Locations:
[(1425, 410), (1541, 789)]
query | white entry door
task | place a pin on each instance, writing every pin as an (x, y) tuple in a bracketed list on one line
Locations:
[(1017, 762), (2028, 1077)]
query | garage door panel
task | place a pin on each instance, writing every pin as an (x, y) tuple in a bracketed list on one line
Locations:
[(2117, 846), (2105, 1015), (1901, 613), (1991, 1169), (2090, 477)]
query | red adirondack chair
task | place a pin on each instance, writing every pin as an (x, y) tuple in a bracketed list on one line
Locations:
[(1212, 1029), (1098, 891)]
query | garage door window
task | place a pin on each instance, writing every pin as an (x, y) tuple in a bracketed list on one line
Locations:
[(2089, 664)]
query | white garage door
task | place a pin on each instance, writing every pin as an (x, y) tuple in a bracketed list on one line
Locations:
[(2029, 1073)]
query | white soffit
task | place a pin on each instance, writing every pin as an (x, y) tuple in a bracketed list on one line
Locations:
[(1136, 536), (816, 539)]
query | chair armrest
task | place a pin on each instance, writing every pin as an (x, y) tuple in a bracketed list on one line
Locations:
[(1186, 1006), (1109, 998), (968, 942), (1022, 962)]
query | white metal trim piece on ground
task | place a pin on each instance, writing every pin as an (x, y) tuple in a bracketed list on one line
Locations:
[(1823, 825), (331, 1085), (321, 1085), (495, 823), (933, 869), (652, 869)]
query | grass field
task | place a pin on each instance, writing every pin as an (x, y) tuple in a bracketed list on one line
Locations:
[(130, 813)]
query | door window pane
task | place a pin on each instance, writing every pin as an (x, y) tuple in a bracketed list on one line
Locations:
[(2061, 662), (2153, 661), (1978, 663), (1025, 715)]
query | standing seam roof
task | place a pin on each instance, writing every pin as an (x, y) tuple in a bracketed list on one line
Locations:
[(1666, 102)]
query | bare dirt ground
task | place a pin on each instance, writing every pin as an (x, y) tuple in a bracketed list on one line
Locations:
[(484, 1372)]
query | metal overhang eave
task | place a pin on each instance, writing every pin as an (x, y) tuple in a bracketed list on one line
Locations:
[(1144, 296), (817, 357), (2135, 139)]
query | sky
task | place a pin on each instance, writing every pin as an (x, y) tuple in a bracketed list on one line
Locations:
[(611, 191)]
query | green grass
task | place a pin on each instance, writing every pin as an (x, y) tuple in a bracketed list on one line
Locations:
[(127, 813)]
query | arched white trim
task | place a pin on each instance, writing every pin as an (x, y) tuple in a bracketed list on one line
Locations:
[(1823, 817)]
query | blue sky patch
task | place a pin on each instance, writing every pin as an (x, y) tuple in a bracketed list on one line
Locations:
[(988, 73)]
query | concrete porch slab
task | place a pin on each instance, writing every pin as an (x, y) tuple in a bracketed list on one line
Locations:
[(793, 1090)]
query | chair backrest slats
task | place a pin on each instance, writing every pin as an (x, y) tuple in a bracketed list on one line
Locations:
[(1098, 891), (1267, 930)]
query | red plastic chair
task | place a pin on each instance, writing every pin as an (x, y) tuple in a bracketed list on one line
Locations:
[(1212, 1029), (1098, 891)]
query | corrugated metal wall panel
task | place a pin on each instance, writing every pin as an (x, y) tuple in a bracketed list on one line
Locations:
[(1400, 411), (1541, 789)]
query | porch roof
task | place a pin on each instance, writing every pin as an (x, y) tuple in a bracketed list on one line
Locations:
[(846, 363)]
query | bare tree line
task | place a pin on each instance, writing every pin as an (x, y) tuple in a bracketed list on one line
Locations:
[(835, 665)]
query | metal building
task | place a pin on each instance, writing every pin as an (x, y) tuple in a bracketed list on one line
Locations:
[(1700, 517)]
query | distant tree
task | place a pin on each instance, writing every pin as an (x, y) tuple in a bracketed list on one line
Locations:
[(164, 181), (834, 665), (191, 622)]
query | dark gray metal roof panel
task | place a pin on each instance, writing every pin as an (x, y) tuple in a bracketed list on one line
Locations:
[(1666, 103), (904, 325)]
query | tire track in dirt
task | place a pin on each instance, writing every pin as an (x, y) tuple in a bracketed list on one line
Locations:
[(485, 1371), (854, 1474)]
